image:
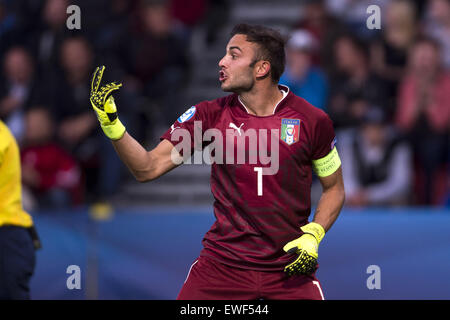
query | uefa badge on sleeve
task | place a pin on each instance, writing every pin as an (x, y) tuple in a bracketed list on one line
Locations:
[(187, 115), (290, 130), (333, 143)]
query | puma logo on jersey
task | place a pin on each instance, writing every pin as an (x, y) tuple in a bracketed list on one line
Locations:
[(232, 125), (172, 127)]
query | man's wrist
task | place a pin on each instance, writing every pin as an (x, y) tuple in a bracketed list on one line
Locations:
[(114, 131), (315, 230)]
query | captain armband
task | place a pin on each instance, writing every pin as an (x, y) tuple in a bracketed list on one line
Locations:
[(327, 165)]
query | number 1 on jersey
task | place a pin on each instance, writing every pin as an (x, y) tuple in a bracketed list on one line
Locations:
[(259, 170)]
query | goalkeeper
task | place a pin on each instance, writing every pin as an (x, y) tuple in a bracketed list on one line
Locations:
[(261, 224)]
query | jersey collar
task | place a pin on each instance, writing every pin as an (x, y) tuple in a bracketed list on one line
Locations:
[(286, 92)]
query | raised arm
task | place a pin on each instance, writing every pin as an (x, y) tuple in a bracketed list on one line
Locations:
[(144, 165)]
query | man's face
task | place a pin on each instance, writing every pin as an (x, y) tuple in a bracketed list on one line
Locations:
[(39, 127), (54, 13), (439, 10), (298, 62), (374, 134), (346, 55), (236, 67), (76, 56), (18, 66), (424, 59)]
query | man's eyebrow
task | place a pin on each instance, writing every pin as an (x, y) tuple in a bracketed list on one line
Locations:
[(234, 47)]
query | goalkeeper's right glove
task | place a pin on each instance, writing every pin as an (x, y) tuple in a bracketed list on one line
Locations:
[(103, 104)]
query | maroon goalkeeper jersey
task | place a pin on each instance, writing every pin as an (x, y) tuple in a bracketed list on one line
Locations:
[(261, 174)]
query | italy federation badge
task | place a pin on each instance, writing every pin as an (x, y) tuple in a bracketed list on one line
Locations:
[(290, 130)]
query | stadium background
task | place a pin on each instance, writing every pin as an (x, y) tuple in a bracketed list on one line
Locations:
[(137, 241)]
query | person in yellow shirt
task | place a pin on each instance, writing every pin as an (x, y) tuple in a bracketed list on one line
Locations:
[(18, 238)]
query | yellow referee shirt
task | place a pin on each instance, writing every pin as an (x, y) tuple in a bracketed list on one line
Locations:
[(11, 211)]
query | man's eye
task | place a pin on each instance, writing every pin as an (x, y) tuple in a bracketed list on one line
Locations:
[(233, 56)]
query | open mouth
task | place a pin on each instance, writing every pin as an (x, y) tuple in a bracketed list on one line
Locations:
[(222, 76)]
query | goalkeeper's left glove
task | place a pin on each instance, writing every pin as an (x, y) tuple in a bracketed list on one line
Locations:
[(306, 247), (103, 104)]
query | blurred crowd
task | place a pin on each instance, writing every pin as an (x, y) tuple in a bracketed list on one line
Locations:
[(45, 83), (387, 90)]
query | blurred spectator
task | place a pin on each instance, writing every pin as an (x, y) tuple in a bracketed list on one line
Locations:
[(111, 30), (437, 26), (188, 13), (354, 86), (424, 115), (97, 15), (304, 79), (47, 170), (18, 89), (354, 14), (77, 126), (17, 22), (76, 122), (324, 27), (377, 165), (216, 17), (389, 52), (47, 39), (155, 60)]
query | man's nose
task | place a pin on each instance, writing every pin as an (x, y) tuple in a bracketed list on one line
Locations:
[(222, 62)]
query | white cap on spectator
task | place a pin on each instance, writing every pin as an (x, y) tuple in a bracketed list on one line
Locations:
[(301, 40)]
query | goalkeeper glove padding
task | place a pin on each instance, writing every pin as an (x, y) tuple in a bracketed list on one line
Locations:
[(103, 104), (306, 247)]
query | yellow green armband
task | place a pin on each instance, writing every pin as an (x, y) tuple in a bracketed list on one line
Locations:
[(327, 165)]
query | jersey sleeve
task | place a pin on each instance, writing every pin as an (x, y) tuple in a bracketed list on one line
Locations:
[(324, 137), (187, 131), (325, 158)]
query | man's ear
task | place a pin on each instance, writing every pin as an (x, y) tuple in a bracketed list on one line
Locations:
[(262, 69)]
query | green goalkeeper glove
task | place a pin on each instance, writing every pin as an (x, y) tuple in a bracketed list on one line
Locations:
[(103, 104), (306, 247)]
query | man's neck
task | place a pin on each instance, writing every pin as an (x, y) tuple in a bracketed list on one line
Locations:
[(261, 101)]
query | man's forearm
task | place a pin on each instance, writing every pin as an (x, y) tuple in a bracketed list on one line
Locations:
[(329, 207), (134, 156), (147, 165)]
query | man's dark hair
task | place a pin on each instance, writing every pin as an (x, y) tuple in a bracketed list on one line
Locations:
[(271, 46)]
